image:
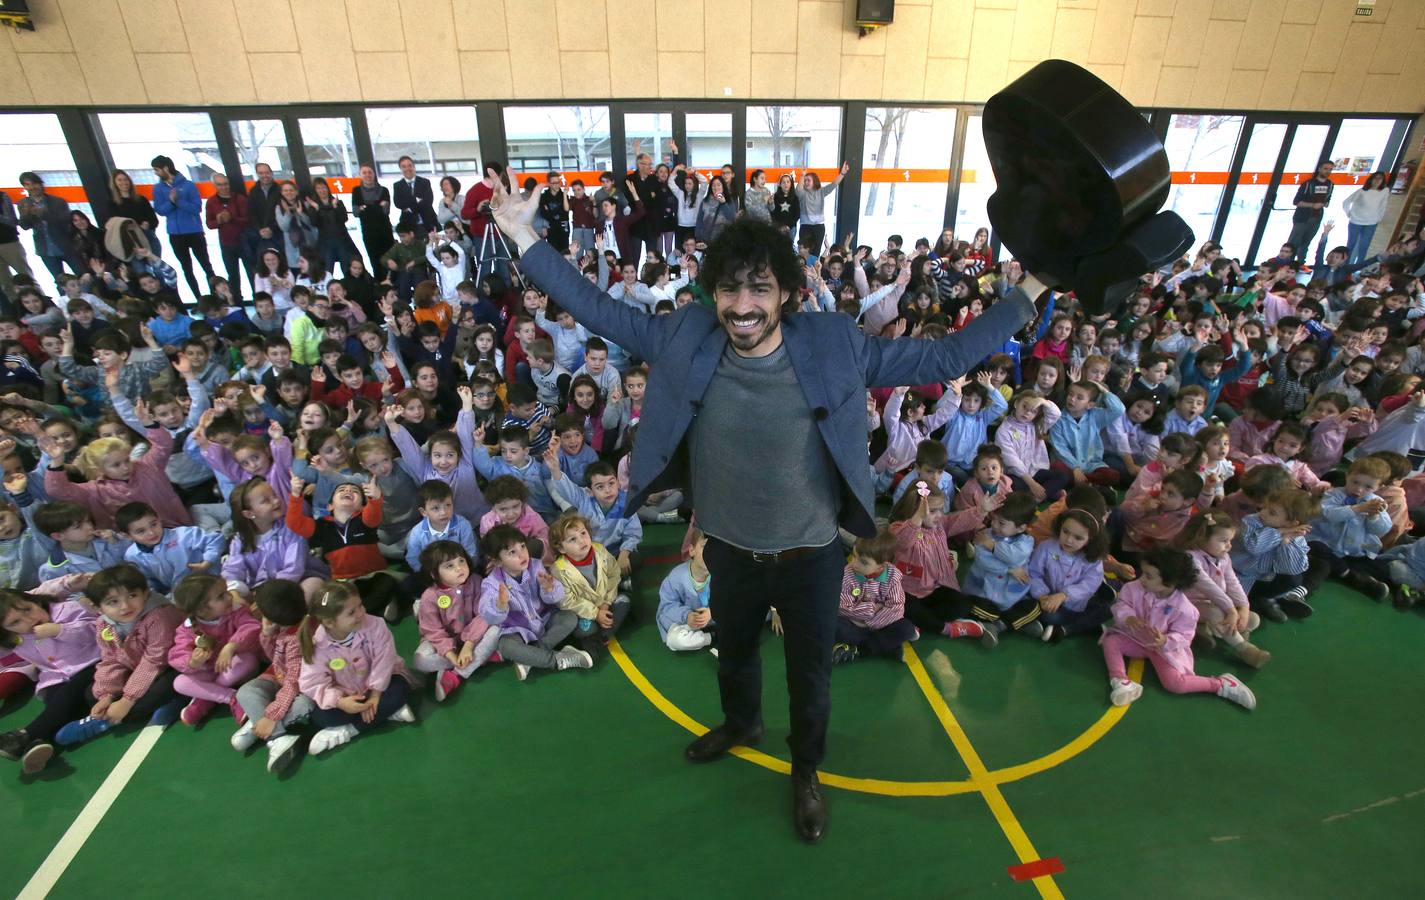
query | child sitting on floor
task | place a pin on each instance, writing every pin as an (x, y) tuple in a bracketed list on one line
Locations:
[(684, 620), (871, 618), (1154, 620), (1066, 576), (215, 648), (1223, 608), (590, 576), (455, 640), (1347, 533), (998, 580), (1270, 555)]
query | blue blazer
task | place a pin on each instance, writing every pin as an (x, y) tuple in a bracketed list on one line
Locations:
[(833, 360)]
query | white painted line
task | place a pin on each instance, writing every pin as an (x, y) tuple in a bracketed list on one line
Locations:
[(54, 866)]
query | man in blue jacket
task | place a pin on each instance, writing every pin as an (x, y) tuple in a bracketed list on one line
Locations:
[(759, 413), (176, 199)]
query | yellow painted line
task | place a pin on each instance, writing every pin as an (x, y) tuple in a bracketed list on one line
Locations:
[(884, 787), (980, 776)]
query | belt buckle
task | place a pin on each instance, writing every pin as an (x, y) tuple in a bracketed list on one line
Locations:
[(765, 557)]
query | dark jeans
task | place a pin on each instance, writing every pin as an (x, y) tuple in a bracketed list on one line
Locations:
[(235, 259), (805, 591), (392, 699), (1086, 621), (379, 589), (1302, 233), (64, 702), (160, 693), (1053, 483), (55, 264), (185, 247), (338, 250), (1268, 588), (931, 612), (880, 641), (813, 236)]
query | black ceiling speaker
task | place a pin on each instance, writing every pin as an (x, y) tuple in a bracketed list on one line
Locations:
[(1080, 179), (875, 12)]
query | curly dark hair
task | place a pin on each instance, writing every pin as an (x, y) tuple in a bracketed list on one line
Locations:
[(758, 246)]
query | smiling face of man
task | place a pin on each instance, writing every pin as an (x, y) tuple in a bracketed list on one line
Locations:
[(749, 306)]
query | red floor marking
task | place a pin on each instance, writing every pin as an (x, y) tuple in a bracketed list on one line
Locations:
[(1036, 869)]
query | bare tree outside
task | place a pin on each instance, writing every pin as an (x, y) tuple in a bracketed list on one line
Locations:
[(891, 122)]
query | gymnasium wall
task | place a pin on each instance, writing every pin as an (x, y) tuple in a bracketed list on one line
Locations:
[(1306, 55)]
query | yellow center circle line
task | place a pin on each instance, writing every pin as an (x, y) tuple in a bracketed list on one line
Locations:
[(880, 786)]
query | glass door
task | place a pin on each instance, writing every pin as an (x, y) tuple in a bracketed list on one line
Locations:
[(262, 141), (330, 148), (1263, 149), (1307, 148), (650, 133)]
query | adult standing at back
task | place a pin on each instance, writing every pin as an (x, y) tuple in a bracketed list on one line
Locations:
[(1311, 199), (130, 204), (371, 204), (812, 196), (176, 199), (12, 252), (227, 213), (262, 202), (773, 537), (47, 217), (1364, 210), (415, 199)]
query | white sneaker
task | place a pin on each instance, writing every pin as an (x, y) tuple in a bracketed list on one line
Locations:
[(243, 738), (1237, 692), (281, 751), (572, 658), (713, 651), (521, 671), (1048, 634), (1123, 691), (328, 738), (404, 714)]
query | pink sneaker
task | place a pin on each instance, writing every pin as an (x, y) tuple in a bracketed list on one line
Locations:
[(195, 712), (963, 628), (447, 682), (496, 657), (239, 714)]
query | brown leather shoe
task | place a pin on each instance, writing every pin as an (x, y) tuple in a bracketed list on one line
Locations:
[(808, 805), (716, 743)]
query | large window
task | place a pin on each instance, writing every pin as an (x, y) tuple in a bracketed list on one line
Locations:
[(650, 133), (709, 139), (792, 139), (977, 182), (442, 140), (1263, 148), (1301, 161), (330, 148), (571, 139), (262, 141), (904, 175), (1359, 150), (1200, 149), (34, 142)]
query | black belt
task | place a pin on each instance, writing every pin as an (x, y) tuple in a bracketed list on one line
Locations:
[(779, 556)]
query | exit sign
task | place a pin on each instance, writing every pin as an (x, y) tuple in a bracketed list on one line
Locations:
[(1365, 7)]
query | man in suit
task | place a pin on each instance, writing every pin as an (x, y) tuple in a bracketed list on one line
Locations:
[(756, 373), (415, 199)]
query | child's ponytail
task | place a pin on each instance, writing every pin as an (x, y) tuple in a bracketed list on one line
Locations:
[(304, 635)]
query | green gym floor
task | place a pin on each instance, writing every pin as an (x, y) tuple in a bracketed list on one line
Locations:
[(953, 769)]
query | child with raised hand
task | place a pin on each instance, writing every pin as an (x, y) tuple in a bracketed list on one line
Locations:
[(521, 600), (508, 506), (214, 649), (998, 580), (1224, 610), (1132, 440), (350, 669), (347, 540), (624, 406), (166, 555), (1287, 445), (591, 579), (1026, 456), (871, 618), (603, 505), (274, 700), (399, 502), (455, 640), (515, 459), (1402, 429), (684, 620), (977, 406), (133, 680), (907, 423), (249, 456), (1330, 423), (263, 548), (115, 478), (56, 637), (1066, 576), (1270, 554), (1078, 434), (1156, 521), (1154, 620), (1347, 532), (448, 457)]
